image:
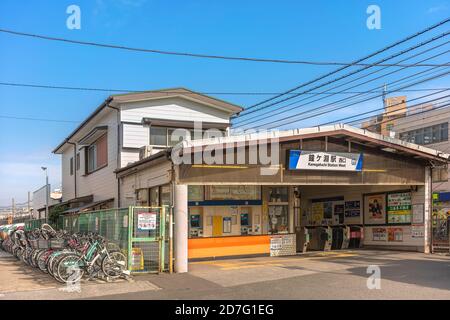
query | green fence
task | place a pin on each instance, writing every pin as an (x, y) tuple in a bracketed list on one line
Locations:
[(112, 224), (142, 233), (34, 224)]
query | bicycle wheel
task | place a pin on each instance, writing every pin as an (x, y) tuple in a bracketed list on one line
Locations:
[(114, 264), (42, 261), (70, 268), (55, 265)]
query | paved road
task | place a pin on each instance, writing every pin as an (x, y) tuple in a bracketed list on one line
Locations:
[(333, 275)]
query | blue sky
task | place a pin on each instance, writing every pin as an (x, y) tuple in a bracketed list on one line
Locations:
[(301, 30)]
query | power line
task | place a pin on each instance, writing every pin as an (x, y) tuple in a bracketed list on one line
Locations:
[(249, 111), (195, 55), (356, 61), (348, 105), (446, 103), (261, 116), (44, 86), (38, 119), (339, 101), (385, 113)]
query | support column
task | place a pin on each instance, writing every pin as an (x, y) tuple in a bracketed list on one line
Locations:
[(427, 211), (181, 228)]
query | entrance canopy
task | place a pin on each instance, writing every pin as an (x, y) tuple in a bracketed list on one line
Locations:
[(337, 155)]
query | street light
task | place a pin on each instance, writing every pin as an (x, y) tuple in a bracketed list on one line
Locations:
[(46, 193)]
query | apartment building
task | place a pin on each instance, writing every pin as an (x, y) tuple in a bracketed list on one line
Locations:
[(126, 128), (429, 127)]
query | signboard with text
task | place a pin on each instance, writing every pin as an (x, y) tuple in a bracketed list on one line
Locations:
[(322, 160), (147, 221)]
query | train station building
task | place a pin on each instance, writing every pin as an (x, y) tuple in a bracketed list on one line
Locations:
[(287, 192)]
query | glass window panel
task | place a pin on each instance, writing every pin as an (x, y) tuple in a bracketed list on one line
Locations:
[(158, 136), (427, 135), (278, 194), (154, 197), (436, 133), (165, 195), (418, 136), (444, 132), (92, 161), (177, 135)]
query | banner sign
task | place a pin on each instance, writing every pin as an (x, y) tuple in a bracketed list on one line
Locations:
[(321, 160), (399, 207)]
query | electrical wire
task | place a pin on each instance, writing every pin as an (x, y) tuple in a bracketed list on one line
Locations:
[(406, 39), (249, 111), (256, 118), (195, 55), (44, 86)]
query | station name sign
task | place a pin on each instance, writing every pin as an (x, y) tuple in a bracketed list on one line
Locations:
[(322, 160)]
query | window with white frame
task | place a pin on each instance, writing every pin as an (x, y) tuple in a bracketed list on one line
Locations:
[(97, 154)]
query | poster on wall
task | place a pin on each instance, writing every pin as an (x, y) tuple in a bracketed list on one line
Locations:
[(417, 213), (395, 234), (352, 209), (379, 234), (317, 212), (147, 221), (374, 209), (399, 207), (328, 210), (417, 231), (338, 213)]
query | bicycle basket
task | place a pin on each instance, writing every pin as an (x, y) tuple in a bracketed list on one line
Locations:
[(111, 246), (34, 243), (43, 244), (57, 243)]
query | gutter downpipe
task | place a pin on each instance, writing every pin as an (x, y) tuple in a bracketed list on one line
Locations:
[(118, 164), (75, 166)]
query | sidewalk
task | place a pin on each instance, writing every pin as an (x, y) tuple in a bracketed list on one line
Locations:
[(19, 281)]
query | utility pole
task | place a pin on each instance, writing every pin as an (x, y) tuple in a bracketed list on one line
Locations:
[(29, 206), (384, 96), (47, 195), (13, 209)]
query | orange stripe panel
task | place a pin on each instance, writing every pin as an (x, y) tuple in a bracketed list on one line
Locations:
[(228, 246)]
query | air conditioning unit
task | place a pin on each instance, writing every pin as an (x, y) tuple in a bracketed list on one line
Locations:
[(145, 152)]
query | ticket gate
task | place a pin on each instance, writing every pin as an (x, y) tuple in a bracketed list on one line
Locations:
[(326, 238), (337, 238), (345, 237), (356, 237), (303, 236)]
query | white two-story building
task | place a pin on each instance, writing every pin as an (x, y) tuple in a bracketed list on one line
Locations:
[(124, 129)]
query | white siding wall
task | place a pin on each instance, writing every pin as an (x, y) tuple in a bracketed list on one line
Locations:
[(102, 183), (172, 109), (68, 187), (129, 156), (150, 177), (135, 135)]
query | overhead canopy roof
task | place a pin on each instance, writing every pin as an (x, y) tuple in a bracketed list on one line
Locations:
[(357, 135)]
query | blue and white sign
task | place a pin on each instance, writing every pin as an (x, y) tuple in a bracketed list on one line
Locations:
[(322, 160)]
